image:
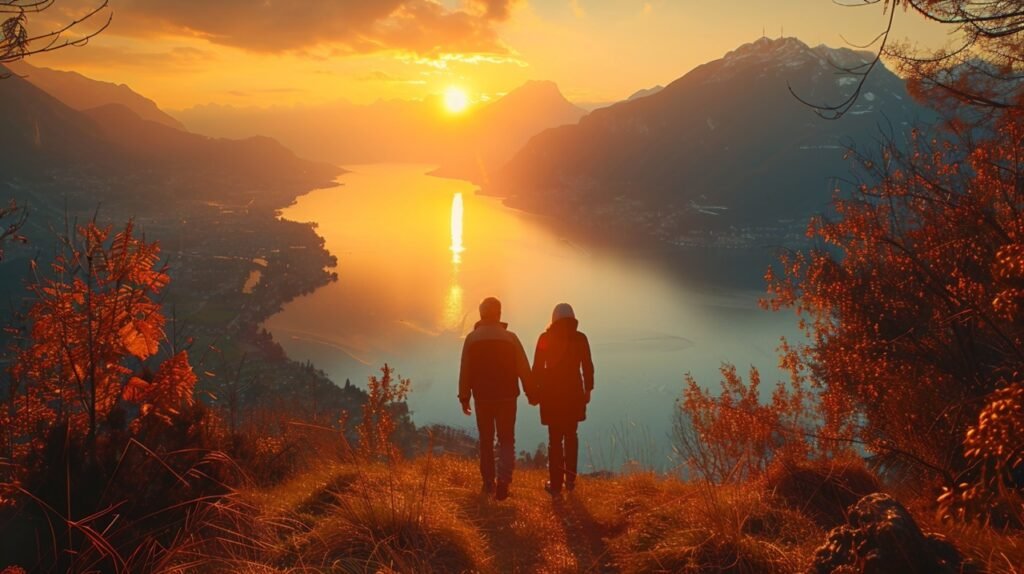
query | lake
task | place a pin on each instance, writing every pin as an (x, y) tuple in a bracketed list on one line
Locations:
[(416, 255)]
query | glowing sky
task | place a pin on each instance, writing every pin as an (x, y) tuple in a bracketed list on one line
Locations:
[(183, 53)]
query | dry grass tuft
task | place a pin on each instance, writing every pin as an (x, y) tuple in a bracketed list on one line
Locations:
[(822, 490), (715, 529), (987, 549)]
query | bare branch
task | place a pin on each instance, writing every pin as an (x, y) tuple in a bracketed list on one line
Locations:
[(12, 219), (834, 112), (17, 43)]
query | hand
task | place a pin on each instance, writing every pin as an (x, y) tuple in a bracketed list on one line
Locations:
[(466, 409), (586, 397)]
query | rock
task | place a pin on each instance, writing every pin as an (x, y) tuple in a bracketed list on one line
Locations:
[(882, 538)]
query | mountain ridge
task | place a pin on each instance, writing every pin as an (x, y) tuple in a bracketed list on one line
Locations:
[(43, 137), (81, 92), (727, 134)]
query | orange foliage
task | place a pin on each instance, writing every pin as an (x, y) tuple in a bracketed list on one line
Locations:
[(92, 320), (911, 305), (379, 411), (734, 437)]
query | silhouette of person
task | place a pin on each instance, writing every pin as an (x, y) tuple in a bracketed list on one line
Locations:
[(493, 363), (563, 372)]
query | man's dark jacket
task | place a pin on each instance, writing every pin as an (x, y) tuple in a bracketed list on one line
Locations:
[(493, 362)]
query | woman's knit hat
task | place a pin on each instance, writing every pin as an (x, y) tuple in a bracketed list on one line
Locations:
[(562, 311)]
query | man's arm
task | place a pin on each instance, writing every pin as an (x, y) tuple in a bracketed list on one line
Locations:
[(465, 390)]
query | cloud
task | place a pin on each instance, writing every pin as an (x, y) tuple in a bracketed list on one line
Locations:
[(384, 77), (248, 93), (493, 9), (179, 58), (424, 27)]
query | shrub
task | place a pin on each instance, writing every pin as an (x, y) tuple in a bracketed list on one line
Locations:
[(821, 490), (733, 437)]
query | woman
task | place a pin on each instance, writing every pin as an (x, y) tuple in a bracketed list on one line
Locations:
[(564, 374)]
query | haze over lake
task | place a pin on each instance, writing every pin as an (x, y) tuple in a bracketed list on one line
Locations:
[(412, 272)]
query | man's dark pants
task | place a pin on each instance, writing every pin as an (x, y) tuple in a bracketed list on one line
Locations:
[(563, 452), (497, 417)]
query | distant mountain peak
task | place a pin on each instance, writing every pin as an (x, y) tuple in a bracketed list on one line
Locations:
[(793, 51), (539, 89), (788, 56), (645, 92), (765, 46), (535, 97)]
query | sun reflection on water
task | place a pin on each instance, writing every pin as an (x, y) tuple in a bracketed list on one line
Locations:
[(456, 246), (454, 316)]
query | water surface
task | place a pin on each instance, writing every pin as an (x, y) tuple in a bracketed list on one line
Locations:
[(418, 253)]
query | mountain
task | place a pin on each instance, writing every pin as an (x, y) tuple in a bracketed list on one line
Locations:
[(645, 92), (158, 147), (724, 145), (493, 135), (43, 139), (338, 132), (37, 132), (397, 130), (82, 93)]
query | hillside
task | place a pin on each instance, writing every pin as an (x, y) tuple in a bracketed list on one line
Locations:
[(82, 93), (37, 132), (43, 138), (726, 144), (427, 515), (260, 160)]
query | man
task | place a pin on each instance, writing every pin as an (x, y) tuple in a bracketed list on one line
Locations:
[(493, 363)]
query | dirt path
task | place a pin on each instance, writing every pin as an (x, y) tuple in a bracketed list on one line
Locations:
[(534, 532)]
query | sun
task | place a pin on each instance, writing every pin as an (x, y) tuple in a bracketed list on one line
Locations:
[(455, 100)]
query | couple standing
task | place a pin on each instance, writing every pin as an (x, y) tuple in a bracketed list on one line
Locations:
[(561, 380)]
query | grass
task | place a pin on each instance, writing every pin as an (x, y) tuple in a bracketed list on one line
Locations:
[(428, 515)]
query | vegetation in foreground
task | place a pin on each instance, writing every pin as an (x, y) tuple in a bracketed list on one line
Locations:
[(350, 512)]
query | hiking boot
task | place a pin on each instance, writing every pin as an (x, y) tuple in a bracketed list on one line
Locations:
[(501, 491), (487, 488), (552, 489)]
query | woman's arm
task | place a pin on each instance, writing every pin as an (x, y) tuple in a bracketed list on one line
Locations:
[(587, 364)]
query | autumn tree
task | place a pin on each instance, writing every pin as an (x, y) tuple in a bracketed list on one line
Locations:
[(383, 413), (910, 301), (92, 331)]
